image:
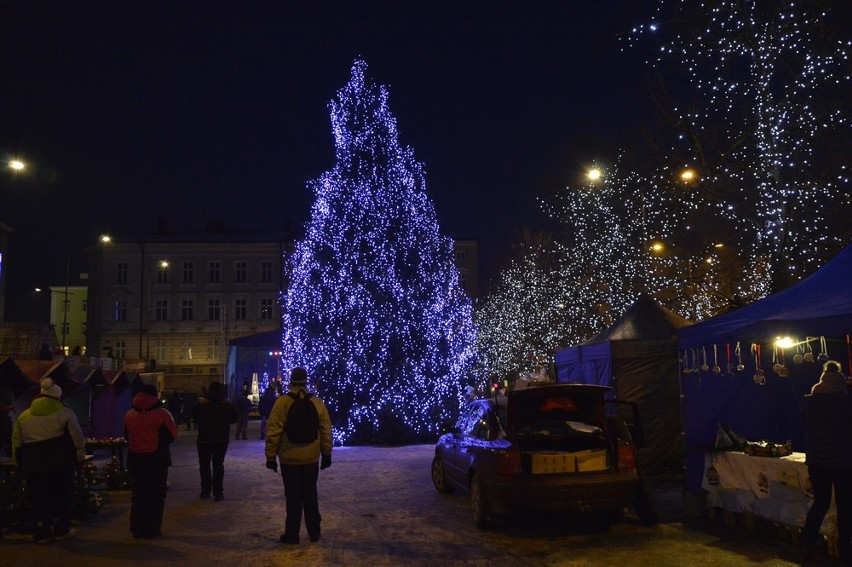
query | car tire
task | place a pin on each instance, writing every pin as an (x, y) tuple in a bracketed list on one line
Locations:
[(439, 479), (477, 503)]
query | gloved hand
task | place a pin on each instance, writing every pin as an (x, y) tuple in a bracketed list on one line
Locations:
[(272, 465), (325, 462)]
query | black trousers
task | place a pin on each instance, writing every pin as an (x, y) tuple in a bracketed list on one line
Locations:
[(51, 502), (822, 481), (211, 465), (300, 491), (148, 500)]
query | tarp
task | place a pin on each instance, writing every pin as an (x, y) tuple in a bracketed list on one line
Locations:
[(768, 407), (638, 358)]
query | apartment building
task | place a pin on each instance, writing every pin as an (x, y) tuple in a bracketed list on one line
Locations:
[(172, 303)]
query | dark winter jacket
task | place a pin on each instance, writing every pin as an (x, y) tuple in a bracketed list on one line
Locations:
[(828, 428), (45, 429), (243, 406), (213, 416), (267, 400), (150, 429)]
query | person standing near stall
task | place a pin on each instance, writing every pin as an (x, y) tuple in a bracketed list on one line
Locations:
[(48, 443), (828, 429), (150, 429)]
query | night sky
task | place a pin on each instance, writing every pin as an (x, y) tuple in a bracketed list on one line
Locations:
[(130, 111)]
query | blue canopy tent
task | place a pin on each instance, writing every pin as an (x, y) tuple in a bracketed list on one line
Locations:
[(819, 306), (638, 358)]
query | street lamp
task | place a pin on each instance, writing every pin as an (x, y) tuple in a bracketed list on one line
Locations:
[(16, 165), (594, 174)]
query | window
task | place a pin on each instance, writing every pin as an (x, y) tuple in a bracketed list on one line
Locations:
[(186, 310), (120, 349), (463, 280), (266, 309), (121, 310), (213, 349), (214, 271), (186, 353), (460, 255), (266, 272), (84, 327), (121, 273), (240, 309), (85, 305), (188, 276), (66, 329), (162, 274), (214, 310), (162, 310), (241, 274), (66, 305), (160, 350)]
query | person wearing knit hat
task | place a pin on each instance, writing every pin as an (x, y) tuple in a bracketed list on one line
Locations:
[(150, 429), (828, 440), (49, 388), (213, 416), (299, 456), (47, 443)]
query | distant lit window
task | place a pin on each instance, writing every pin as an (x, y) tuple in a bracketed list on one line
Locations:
[(121, 310), (266, 272), (214, 310), (160, 350), (121, 273), (162, 310), (241, 272), (213, 349), (266, 309), (120, 349), (214, 269), (188, 272), (186, 310), (240, 309), (186, 354)]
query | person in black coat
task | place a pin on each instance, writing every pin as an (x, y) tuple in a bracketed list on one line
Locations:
[(828, 428), (213, 416), (267, 400)]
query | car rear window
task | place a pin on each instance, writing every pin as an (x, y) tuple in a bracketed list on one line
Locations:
[(529, 411)]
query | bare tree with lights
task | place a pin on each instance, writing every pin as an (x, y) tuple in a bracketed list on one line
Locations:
[(766, 79), (374, 309)]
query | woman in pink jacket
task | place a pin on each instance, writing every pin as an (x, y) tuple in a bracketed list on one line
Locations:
[(150, 429)]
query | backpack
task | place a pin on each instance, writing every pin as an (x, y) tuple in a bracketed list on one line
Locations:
[(302, 424)]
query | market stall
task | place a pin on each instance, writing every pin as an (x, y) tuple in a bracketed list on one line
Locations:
[(750, 368)]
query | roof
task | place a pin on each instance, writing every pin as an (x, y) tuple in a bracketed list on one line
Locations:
[(819, 305), (644, 320)]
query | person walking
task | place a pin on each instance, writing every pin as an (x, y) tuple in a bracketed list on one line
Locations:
[(267, 400), (213, 416), (47, 445), (298, 435), (243, 407), (828, 430), (149, 429)]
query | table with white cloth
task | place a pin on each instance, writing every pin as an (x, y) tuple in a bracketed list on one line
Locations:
[(774, 488)]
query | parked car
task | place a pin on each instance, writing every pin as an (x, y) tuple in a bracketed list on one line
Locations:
[(552, 449)]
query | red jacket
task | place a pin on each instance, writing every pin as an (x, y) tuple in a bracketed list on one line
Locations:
[(149, 429)]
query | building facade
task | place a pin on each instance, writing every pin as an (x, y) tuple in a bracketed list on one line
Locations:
[(171, 306), (68, 316)]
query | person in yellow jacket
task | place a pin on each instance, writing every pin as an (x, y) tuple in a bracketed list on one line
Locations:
[(302, 452)]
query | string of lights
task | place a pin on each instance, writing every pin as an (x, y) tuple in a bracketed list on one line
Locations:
[(374, 309)]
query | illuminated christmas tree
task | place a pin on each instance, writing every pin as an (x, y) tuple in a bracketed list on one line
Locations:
[(374, 309), (766, 78)]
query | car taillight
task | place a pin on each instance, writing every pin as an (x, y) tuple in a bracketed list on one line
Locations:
[(509, 462), (626, 455)]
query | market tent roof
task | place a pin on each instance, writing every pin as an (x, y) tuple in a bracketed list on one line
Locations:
[(638, 357), (58, 370), (819, 305)]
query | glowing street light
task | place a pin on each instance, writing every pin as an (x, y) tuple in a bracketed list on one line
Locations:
[(16, 165), (106, 238), (657, 247), (594, 175), (688, 175)]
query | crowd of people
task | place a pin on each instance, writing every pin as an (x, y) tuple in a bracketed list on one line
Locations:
[(48, 448)]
